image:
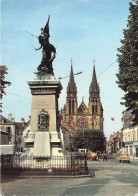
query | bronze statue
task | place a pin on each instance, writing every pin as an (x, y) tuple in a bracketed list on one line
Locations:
[(43, 121), (48, 52)]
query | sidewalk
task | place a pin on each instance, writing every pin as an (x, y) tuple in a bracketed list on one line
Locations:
[(133, 158)]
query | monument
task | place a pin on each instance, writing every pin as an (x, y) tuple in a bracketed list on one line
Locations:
[(45, 137)]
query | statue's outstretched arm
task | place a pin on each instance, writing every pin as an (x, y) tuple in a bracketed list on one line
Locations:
[(38, 48)]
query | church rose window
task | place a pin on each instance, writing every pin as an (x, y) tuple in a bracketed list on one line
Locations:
[(83, 124)]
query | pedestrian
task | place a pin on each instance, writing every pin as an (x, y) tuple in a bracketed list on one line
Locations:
[(104, 156), (98, 155)]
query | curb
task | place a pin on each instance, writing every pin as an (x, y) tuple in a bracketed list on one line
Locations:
[(77, 176)]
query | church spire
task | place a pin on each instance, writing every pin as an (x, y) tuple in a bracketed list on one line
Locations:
[(94, 79), (71, 84), (71, 104), (71, 81), (95, 106), (94, 87)]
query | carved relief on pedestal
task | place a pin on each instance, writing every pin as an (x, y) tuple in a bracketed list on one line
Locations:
[(43, 121)]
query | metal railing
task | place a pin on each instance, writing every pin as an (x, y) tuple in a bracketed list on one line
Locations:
[(68, 164)]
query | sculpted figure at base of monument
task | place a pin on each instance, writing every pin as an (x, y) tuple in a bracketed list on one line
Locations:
[(43, 121)]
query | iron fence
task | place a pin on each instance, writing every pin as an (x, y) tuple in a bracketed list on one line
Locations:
[(68, 164)]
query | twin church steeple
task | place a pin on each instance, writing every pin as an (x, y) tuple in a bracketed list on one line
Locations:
[(71, 100), (95, 106), (71, 89), (94, 109), (94, 90)]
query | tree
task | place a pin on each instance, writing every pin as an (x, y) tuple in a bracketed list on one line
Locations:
[(128, 62), (93, 140), (3, 83)]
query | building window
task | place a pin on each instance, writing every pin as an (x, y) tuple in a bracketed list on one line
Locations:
[(8, 129), (93, 109), (134, 135), (96, 108), (131, 150), (73, 106), (69, 107), (19, 141), (19, 132)]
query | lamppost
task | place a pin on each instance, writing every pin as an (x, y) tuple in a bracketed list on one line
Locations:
[(60, 78), (123, 120)]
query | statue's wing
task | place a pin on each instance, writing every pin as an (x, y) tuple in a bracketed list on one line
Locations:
[(46, 28)]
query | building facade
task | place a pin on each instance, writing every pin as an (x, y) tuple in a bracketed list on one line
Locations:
[(8, 127), (130, 135), (115, 142), (12, 137), (19, 137), (7, 136), (82, 117)]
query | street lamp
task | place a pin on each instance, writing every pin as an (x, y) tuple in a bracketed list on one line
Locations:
[(60, 78), (121, 150)]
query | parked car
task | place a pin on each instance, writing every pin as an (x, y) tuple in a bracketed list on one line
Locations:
[(82, 151), (92, 156), (124, 158)]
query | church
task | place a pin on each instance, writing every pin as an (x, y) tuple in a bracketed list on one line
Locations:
[(84, 117)]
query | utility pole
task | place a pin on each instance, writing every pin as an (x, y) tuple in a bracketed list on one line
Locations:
[(122, 146), (121, 152)]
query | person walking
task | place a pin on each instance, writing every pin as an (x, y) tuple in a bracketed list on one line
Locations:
[(104, 156)]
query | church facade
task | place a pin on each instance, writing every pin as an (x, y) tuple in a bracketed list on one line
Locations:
[(76, 118)]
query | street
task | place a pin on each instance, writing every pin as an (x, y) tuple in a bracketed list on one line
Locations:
[(108, 181)]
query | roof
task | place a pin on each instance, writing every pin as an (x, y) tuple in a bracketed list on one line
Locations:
[(127, 113), (20, 125), (5, 121), (82, 108)]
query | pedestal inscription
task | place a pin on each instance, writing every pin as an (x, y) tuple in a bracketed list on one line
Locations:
[(42, 144)]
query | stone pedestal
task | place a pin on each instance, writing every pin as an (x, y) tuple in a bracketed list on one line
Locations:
[(42, 144), (45, 91)]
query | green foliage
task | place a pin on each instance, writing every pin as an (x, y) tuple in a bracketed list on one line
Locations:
[(128, 61), (93, 140), (3, 83)]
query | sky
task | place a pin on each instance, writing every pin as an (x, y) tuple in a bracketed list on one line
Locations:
[(81, 30)]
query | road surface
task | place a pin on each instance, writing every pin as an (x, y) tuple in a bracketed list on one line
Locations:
[(108, 181)]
